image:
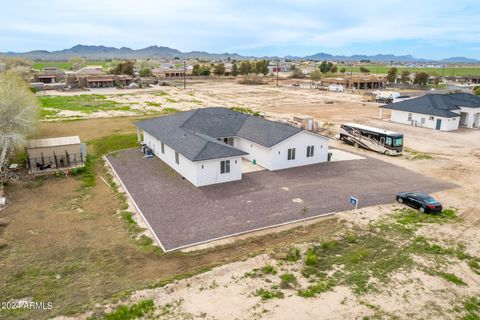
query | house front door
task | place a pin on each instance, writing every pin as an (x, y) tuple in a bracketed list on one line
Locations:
[(463, 118), (439, 124)]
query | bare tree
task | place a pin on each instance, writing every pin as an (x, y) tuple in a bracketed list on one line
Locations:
[(20, 66), (18, 115)]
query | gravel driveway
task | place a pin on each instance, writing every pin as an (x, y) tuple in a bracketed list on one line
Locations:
[(181, 214)]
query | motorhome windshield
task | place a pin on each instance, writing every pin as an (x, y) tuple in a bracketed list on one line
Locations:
[(398, 141)]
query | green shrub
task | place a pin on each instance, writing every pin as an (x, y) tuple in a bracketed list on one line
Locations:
[(288, 280), (77, 171), (269, 269), (267, 294), (359, 255), (293, 254), (311, 259), (59, 174), (472, 307), (153, 104), (308, 271), (246, 111), (329, 245), (351, 237), (170, 110), (319, 287), (422, 245), (452, 278), (474, 264), (139, 310)]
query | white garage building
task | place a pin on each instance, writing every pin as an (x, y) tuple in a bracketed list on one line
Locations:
[(206, 146), (446, 112)]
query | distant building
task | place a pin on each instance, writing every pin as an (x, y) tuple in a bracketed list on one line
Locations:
[(164, 73), (446, 112), (281, 67), (465, 80), (356, 82), (95, 77), (49, 75)]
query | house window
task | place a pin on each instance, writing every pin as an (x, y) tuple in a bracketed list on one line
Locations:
[(162, 147), (409, 117), (310, 151), (225, 166), (291, 154), (431, 118), (177, 158)]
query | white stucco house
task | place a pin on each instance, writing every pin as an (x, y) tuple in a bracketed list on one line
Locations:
[(206, 146), (446, 112)]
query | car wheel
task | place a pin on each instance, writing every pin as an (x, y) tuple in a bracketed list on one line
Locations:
[(422, 209), (400, 200), (387, 153), (356, 145)]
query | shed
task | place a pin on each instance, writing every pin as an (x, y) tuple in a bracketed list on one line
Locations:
[(53, 154)]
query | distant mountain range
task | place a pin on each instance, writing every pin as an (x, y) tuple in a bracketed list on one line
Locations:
[(152, 52)]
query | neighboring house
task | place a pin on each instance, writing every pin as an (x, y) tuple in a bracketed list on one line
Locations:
[(444, 112), (171, 72), (464, 80), (206, 146), (53, 154), (357, 82), (95, 77), (49, 75)]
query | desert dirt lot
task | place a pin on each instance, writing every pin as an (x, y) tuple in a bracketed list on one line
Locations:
[(67, 243)]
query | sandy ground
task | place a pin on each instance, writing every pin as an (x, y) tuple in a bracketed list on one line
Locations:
[(223, 294), (203, 94)]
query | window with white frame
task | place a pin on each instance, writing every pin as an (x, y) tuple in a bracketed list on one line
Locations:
[(310, 151), (162, 147), (291, 154), (225, 166), (410, 117), (177, 158)]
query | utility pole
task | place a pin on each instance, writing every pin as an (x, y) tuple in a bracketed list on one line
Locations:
[(278, 66), (184, 75)]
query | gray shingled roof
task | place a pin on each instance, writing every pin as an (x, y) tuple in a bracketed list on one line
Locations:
[(437, 104), (194, 133)]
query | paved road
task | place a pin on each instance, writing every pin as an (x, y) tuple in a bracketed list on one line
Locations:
[(181, 214)]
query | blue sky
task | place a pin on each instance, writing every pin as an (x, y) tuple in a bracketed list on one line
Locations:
[(423, 28)]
